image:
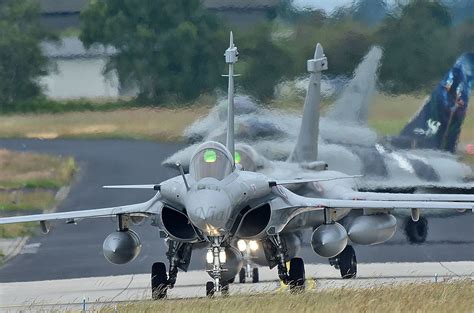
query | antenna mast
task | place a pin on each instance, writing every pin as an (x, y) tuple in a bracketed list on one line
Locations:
[(231, 57)]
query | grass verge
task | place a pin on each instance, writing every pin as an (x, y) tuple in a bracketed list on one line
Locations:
[(28, 183), (429, 297)]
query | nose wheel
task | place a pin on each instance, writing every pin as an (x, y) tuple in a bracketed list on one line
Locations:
[(211, 290)]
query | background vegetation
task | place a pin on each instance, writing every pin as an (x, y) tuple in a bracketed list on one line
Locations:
[(171, 50)]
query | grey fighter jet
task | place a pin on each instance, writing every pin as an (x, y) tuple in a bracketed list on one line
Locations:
[(419, 158), (348, 145), (218, 203)]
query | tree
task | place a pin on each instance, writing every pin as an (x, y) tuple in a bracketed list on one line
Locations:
[(168, 49), (344, 40), (263, 62), (416, 46), (21, 58)]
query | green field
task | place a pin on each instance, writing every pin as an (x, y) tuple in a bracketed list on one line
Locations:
[(428, 297)]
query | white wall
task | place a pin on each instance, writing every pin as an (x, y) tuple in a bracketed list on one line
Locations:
[(80, 78)]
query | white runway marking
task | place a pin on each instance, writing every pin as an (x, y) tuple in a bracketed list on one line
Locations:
[(99, 291), (31, 248)]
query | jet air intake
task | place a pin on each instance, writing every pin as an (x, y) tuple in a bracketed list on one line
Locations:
[(121, 247), (328, 240), (372, 229)]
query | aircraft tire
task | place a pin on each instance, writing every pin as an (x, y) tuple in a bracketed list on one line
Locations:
[(242, 275), (416, 232), (348, 263), (210, 289), (255, 277), (296, 275), (159, 281), (225, 289)]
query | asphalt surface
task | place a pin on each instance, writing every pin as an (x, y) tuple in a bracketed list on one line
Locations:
[(74, 251)]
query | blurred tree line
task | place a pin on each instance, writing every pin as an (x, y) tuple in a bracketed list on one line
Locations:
[(21, 59), (172, 50)]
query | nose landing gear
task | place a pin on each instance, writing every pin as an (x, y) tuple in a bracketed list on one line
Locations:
[(216, 256)]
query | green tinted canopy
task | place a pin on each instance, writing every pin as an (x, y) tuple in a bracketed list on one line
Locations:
[(237, 157), (210, 156)]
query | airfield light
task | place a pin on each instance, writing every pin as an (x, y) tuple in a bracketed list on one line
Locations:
[(209, 256), (253, 245), (242, 245), (237, 157), (210, 156), (222, 256)]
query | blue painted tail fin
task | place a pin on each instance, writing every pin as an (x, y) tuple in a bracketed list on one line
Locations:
[(438, 123)]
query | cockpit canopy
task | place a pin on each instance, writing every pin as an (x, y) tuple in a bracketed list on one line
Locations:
[(212, 159)]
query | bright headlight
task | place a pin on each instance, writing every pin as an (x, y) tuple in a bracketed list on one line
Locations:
[(253, 245), (222, 256), (242, 245), (209, 256)]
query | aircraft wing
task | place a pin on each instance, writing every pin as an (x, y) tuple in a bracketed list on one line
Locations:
[(309, 180), (287, 205), (378, 196), (149, 187), (150, 207)]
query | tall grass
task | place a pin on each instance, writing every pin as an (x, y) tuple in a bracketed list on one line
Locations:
[(428, 297)]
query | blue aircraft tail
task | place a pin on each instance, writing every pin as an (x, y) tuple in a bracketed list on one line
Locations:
[(438, 123)]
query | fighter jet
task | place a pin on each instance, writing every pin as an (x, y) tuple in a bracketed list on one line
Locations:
[(348, 145), (218, 203)]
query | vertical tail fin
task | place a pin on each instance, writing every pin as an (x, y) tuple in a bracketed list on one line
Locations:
[(306, 148), (437, 125), (352, 106), (231, 57)]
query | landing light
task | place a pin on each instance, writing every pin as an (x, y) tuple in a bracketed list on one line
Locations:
[(209, 256), (253, 245), (242, 245), (222, 256)]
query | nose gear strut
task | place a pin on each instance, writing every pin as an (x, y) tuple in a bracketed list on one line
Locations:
[(215, 272)]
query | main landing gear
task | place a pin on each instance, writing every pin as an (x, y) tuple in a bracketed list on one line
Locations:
[(416, 232), (179, 255), (248, 272), (295, 277), (346, 262)]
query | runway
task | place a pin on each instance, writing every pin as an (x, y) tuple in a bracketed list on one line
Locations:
[(75, 251), (95, 292)]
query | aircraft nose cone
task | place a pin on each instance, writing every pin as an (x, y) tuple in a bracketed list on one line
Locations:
[(209, 211)]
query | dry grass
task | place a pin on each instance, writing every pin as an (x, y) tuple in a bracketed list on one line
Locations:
[(17, 230), (27, 183), (149, 123), (388, 115), (26, 200), (20, 170), (430, 297)]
